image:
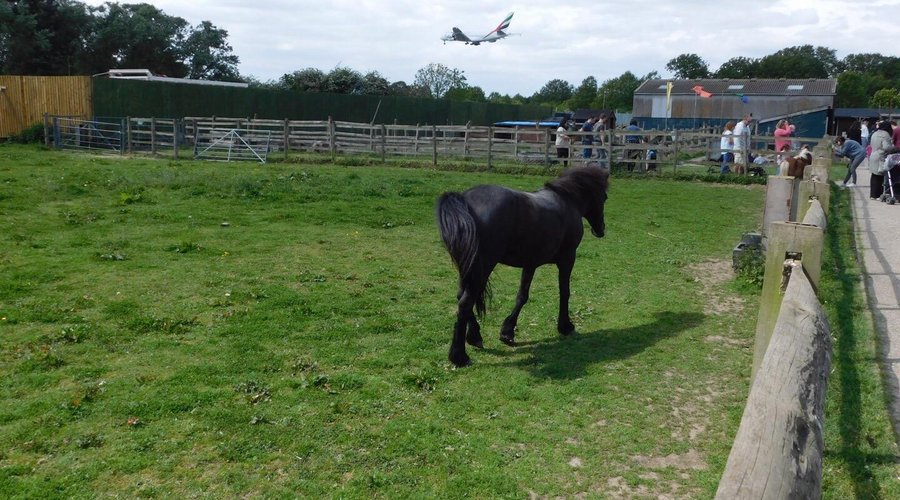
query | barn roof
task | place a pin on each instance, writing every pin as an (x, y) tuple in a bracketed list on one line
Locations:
[(751, 86)]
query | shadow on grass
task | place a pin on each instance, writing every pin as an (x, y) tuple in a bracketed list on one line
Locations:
[(569, 357)]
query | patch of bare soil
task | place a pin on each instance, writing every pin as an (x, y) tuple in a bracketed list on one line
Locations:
[(711, 275)]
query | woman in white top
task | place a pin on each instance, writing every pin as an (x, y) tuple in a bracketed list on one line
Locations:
[(727, 147), (562, 142)]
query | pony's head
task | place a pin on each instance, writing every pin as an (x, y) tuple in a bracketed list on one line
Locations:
[(588, 188)]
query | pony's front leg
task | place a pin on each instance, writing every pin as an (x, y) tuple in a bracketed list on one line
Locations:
[(508, 331), (464, 315), (564, 324)]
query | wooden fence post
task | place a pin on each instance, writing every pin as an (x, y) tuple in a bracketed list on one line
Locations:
[(125, 134), (383, 143), (516, 143), (490, 146), (811, 190), (778, 450), (46, 129), (675, 153), (779, 196), (153, 135), (547, 148), (416, 142), (332, 143), (286, 137), (434, 145), (174, 138), (786, 239), (466, 140)]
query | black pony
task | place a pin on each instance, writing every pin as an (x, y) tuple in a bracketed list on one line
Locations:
[(487, 225)]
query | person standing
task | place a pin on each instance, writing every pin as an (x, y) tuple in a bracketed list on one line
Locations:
[(587, 139), (600, 131), (741, 144), (848, 148), (880, 142), (633, 156), (782, 140), (726, 145), (562, 142)]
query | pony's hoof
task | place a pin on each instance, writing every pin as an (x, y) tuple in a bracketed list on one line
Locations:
[(476, 343), (508, 340), (567, 331), (460, 361)]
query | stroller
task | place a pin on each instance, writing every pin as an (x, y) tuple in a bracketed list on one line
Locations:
[(891, 171)]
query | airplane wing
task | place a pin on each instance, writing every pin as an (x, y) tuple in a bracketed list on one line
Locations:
[(459, 36)]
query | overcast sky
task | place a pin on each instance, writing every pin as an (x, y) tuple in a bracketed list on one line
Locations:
[(569, 40)]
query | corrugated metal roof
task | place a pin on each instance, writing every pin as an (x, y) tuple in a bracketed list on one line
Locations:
[(752, 86)]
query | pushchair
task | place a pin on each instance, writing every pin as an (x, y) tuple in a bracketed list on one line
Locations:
[(891, 171)]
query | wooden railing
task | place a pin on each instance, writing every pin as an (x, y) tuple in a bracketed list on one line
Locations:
[(778, 450)]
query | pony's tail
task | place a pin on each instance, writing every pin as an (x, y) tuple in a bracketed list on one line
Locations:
[(460, 235)]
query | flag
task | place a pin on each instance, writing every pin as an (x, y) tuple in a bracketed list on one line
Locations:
[(743, 98), (668, 96), (701, 92)]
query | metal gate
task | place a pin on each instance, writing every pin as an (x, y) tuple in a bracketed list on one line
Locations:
[(232, 144), (93, 135)]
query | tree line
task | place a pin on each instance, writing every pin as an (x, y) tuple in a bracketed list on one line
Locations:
[(68, 37)]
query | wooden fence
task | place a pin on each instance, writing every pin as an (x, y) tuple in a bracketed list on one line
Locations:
[(25, 99), (778, 450), (530, 145)]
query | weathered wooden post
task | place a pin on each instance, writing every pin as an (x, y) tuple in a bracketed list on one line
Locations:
[(779, 196), (811, 190), (787, 240), (125, 135), (516, 143), (547, 148), (153, 135), (778, 450), (174, 138), (332, 142), (434, 145), (416, 142), (286, 137), (675, 152), (383, 143), (466, 140), (490, 146), (46, 129)]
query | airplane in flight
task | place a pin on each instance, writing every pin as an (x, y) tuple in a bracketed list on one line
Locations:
[(496, 34)]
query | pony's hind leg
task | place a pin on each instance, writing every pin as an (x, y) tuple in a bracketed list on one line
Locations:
[(464, 315), (508, 330), (473, 329)]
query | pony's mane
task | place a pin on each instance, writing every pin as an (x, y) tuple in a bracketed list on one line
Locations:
[(580, 182)]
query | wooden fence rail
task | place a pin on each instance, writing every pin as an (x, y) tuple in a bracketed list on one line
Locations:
[(778, 450), (529, 145)]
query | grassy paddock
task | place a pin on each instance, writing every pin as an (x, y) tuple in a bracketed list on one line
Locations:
[(184, 328)]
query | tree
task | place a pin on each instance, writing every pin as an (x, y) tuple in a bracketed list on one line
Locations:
[(39, 37), (473, 94), (797, 62), (886, 99), (554, 92), (688, 66), (585, 94), (852, 90), (737, 67), (438, 79), (137, 36), (208, 54), (343, 80), (618, 93), (375, 84), (304, 80)]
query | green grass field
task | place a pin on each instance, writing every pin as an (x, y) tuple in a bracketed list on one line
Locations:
[(175, 329)]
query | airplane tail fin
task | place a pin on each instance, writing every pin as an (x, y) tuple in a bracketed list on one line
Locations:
[(503, 25)]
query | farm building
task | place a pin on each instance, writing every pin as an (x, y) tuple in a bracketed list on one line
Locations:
[(711, 102)]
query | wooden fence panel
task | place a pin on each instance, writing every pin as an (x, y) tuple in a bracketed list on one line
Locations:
[(25, 99)]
